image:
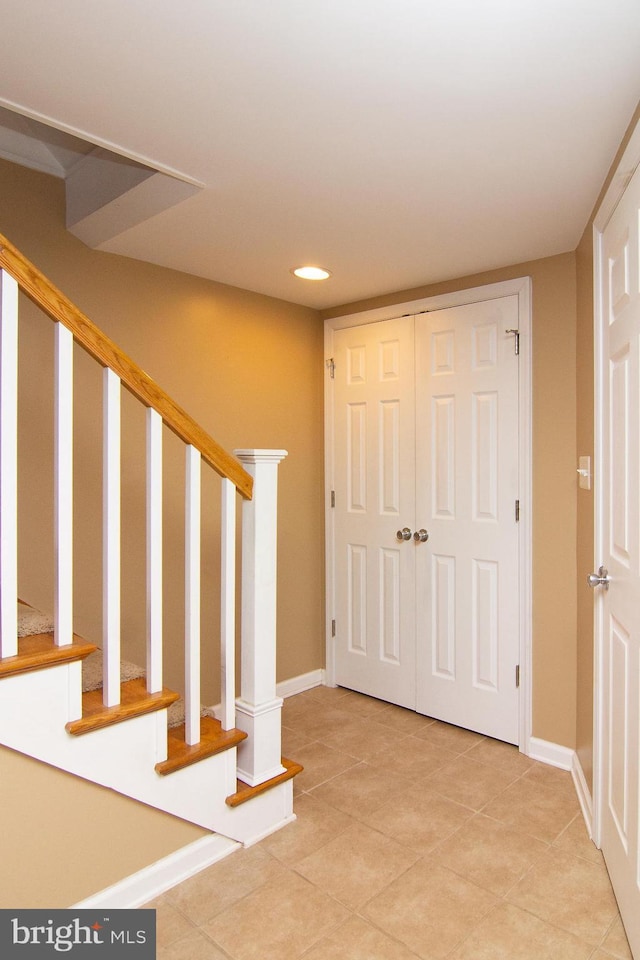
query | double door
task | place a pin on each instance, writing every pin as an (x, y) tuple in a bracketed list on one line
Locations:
[(425, 521)]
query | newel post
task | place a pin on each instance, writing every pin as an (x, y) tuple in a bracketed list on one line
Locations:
[(258, 709)]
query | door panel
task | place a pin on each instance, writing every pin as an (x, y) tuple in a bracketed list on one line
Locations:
[(466, 488), (375, 497), (620, 689)]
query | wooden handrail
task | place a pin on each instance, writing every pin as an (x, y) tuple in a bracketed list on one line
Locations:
[(59, 308)]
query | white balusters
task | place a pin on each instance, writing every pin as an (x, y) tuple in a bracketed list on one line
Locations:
[(192, 596), (63, 486), (154, 551), (228, 605), (8, 465), (258, 710), (111, 540)]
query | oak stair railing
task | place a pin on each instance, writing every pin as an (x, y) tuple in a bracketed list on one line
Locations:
[(251, 722)]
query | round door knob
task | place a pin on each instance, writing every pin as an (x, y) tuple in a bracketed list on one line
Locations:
[(599, 579), (404, 534), (421, 536)]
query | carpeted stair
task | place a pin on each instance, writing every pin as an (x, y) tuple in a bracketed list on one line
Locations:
[(32, 622)]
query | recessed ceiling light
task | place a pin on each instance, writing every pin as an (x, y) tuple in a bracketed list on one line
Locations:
[(311, 273)]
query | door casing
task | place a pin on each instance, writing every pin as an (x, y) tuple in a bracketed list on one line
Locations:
[(521, 287)]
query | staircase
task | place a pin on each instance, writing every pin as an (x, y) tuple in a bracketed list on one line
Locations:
[(224, 773)]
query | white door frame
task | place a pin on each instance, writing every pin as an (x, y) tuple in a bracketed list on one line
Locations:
[(520, 287), (621, 177)]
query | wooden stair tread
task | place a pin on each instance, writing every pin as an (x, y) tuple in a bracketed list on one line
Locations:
[(213, 739), (135, 701), (244, 792), (39, 651)]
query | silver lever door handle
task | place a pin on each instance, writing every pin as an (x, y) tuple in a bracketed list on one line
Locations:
[(404, 534), (421, 536), (599, 579)]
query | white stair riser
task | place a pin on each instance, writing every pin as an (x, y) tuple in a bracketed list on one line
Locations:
[(34, 709)]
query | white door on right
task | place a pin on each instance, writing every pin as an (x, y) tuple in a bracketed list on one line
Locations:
[(467, 629), (620, 602)]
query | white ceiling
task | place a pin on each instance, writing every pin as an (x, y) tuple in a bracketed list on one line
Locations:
[(396, 142)]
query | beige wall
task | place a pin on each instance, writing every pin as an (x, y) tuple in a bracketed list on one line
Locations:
[(554, 479), (64, 839), (247, 367)]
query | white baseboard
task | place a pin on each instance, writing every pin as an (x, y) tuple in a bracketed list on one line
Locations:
[(584, 794), (552, 753), (306, 681), (271, 830), (288, 688), (152, 881), (566, 759)]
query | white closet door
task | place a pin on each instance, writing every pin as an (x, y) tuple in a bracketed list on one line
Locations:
[(426, 439), (375, 497), (466, 492)]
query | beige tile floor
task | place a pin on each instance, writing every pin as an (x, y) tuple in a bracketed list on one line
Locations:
[(413, 839)]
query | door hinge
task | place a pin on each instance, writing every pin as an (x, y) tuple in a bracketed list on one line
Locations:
[(517, 511), (516, 339), (333, 498), (518, 675), (331, 367), (333, 628)]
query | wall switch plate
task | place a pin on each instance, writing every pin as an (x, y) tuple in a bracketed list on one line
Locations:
[(584, 473)]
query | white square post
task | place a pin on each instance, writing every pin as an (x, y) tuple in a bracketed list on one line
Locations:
[(258, 709)]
